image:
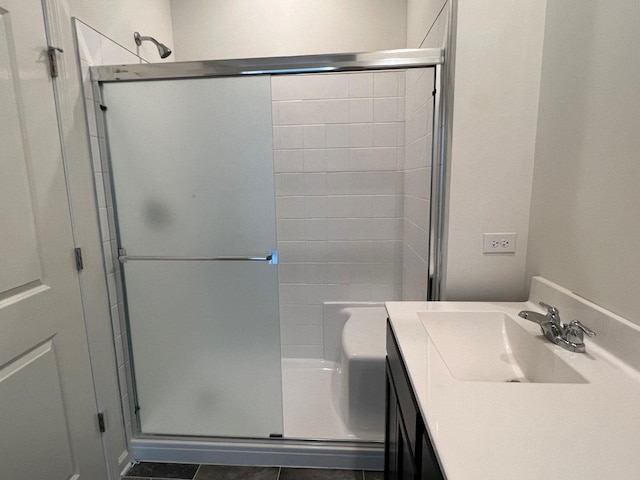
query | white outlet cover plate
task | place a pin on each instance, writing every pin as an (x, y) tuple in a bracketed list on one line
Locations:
[(499, 243)]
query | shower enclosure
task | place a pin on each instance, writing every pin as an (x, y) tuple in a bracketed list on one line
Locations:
[(246, 194)]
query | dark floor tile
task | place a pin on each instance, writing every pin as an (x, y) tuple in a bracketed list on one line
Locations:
[(319, 474), (225, 472), (180, 471), (371, 475)]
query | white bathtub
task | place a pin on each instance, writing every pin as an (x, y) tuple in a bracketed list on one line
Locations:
[(355, 340)]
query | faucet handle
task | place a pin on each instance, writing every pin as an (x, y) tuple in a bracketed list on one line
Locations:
[(579, 325), (551, 310), (575, 332)]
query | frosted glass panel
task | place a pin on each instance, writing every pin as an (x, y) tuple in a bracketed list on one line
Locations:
[(192, 172)]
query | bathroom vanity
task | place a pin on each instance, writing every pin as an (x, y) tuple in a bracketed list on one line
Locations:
[(476, 392), (408, 450)]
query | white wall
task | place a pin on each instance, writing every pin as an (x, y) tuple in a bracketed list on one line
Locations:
[(585, 232), (426, 22), (497, 75), (118, 19), (214, 29)]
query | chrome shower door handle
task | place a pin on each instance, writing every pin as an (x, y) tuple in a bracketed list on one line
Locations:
[(271, 258)]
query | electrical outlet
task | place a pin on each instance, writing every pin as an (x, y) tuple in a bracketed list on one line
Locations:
[(499, 243)]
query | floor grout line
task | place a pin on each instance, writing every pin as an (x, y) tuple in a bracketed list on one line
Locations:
[(197, 471)]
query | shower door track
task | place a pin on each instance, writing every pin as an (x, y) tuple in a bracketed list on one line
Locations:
[(332, 63)]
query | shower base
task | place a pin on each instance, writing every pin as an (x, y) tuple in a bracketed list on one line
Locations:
[(310, 409)]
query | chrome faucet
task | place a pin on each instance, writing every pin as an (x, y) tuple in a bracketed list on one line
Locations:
[(570, 337)]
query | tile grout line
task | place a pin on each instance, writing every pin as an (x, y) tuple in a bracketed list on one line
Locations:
[(197, 471)]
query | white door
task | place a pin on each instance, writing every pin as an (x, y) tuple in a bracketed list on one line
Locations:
[(48, 427)]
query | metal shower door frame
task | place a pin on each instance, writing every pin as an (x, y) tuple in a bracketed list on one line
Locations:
[(309, 64)]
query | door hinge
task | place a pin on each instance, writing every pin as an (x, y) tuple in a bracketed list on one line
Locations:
[(101, 424), (52, 53), (78, 253)]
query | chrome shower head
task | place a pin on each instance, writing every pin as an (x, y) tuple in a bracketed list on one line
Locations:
[(163, 50)]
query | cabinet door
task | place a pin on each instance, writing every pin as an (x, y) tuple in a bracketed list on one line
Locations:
[(407, 466), (391, 433), (429, 468)]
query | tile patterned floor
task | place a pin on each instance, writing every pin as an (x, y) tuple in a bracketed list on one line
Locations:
[(188, 471)]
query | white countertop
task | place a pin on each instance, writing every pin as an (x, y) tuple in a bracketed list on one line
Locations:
[(493, 431)]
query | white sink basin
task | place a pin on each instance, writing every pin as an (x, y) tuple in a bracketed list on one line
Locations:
[(493, 347)]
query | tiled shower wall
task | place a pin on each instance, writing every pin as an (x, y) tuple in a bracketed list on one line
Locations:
[(417, 182), (338, 156)]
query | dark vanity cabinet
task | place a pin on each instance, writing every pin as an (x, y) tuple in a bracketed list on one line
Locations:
[(409, 454)]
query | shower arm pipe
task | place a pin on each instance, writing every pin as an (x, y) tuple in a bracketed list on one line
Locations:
[(271, 257), (344, 62)]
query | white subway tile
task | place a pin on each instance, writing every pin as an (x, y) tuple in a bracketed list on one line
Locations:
[(402, 82), (305, 351), (315, 160), (290, 112), (293, 314), (292, 294), (361, 135), (385, 134), (276, 137), (291, 229), (115, 321), (291, 251), (314, 136), (349, 206), (385, 109), (104, 223), (289, 184), (101, 199), (315, 206), (339, 273), (361, 85), (417, 182), (315, 314), (384, 158), (291, 137), (291, 87), (315, 251), (290, 207), (337, 159), (315, 183), (385, 84), (360, 159), (336, 111), (294, 334), (288, 161), (361, 110), (315, 335), (315, 229), (384, 205), (334, 86), (316, 273), (400, 108), (337, 135), (95, 154), (312, 112), (275, 84), (292, 273)]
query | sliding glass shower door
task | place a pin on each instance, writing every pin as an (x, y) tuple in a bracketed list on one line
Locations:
[(192, 173)]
